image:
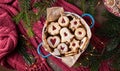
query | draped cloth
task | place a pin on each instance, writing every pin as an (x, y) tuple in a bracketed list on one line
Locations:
[(10, 58)]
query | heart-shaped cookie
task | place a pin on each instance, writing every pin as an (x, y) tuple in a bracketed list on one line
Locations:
[(53, 41)]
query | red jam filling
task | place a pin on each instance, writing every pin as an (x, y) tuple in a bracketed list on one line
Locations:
[(80, 33), (75, 23), (73, 44), (65, 34), (63, 21), (54, 28), (62, 48), (53, 41)]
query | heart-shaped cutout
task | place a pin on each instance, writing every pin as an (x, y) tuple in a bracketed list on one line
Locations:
[(53, 41)]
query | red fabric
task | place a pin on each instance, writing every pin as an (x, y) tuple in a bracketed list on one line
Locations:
[(5, 1), (8, 34), (8, 39)]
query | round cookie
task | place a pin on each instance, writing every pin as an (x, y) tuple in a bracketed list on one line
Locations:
[(80, 33), (118, 3), (63, 21), (111, 3), (63, 48), (54, 28)]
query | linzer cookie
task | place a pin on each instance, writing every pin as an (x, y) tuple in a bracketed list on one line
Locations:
[(53, 41), (66, 37), (113, 6), (63, 21), (74, 24), (53, 28), (63, 48), (80, 33)]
